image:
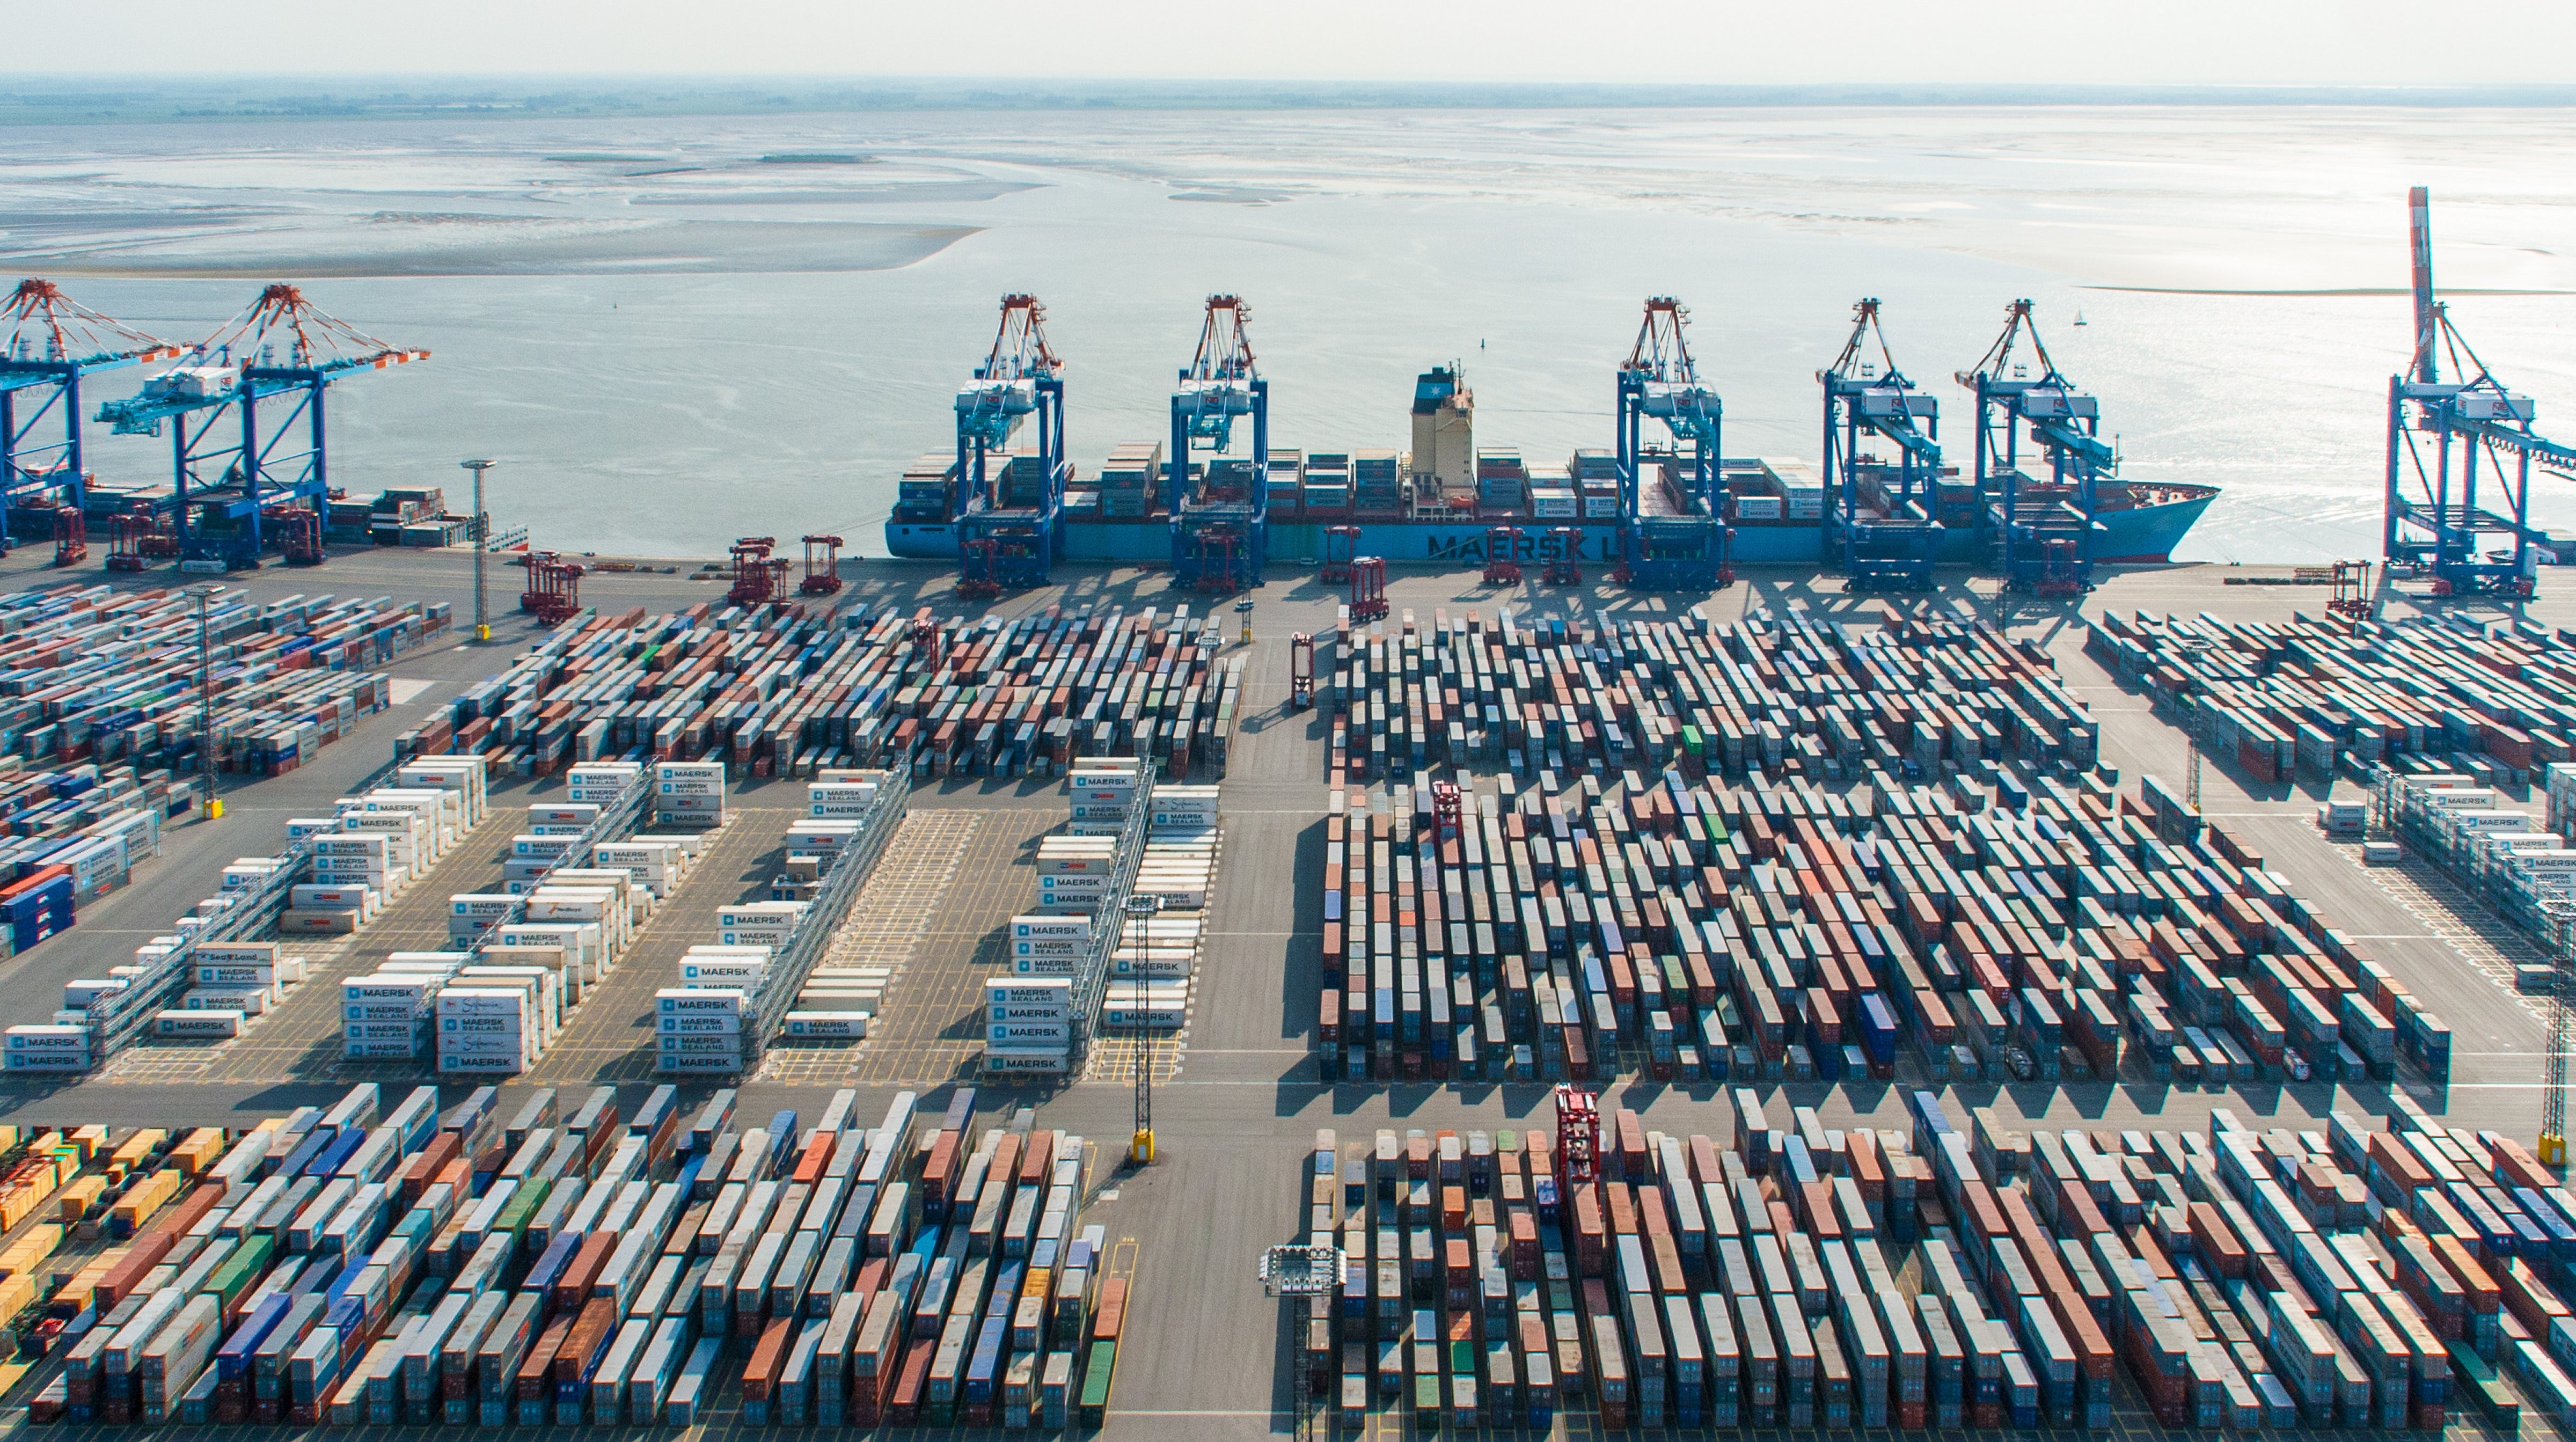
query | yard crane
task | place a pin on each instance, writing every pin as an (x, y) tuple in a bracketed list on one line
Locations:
[(1673, 532), (1892, 545), (1220, 524), (2438, 433), (282, 349), (53, 342), (2040, 534), (1007, 512)]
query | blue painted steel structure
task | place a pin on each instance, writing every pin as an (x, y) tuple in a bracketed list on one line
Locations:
[(1893, 546), (1680, 544), (52, 343), (1220, 523), (2042, 537), (2456, 426), (1007, 516), (237, 370)]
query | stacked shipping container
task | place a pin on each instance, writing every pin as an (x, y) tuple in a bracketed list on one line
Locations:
[(2015, 920), (1804, 1277), (793, 691), (568, 1266)]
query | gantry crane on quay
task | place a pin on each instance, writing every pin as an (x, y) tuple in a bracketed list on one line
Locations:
[(1673, 532), (1220, 517), (52, 343), (1006, 514), (2040, 535), (1894, 547), (2439, 432), (235, 370)]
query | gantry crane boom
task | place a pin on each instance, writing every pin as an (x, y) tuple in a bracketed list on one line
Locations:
[(1672, 538), (236, 369), (2048, 548), (1006, 517), (1896, 544), (1219, 530), (2440, 433), (52, 343)]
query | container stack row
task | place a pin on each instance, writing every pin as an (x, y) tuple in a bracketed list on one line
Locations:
[(76, 833), (794, 691), (2306, 695), (1153, 965), (375, 845), (1779, 693), (2012, 922), (518, 961), (955, 1288), (707, 1009), (836, 1001), (346, 866), (561, 1264), (761, 976), (96, 674), (1807, 1277)]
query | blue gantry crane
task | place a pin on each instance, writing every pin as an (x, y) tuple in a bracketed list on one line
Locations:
[(53, 342), (1009, 503), (2039, 534), (1881, 518), (281, 351), (1673, 530), (2457, 426), (1220, 517)]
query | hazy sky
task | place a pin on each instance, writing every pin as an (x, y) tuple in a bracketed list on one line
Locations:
[(2289, 42)]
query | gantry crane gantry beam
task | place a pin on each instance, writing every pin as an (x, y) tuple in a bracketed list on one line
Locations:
[(282, 348), (2039, 535), (53, 342), (1673, 533)]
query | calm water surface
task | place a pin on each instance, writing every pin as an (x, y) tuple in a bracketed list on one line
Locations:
[(673, 332)]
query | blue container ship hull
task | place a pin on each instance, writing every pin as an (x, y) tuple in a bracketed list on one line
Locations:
[(2142, 527)]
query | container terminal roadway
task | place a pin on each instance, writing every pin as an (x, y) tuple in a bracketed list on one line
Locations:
[(1237, 1119)]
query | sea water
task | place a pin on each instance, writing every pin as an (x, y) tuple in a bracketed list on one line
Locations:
[(673, 331)]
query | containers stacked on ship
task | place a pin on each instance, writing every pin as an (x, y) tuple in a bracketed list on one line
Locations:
[(1881, 524), (1286, 482), (924, 523), (1674, 534), (1327, 492), (1220, 516)]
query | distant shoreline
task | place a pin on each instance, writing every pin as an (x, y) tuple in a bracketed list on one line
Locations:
[(93, 100)]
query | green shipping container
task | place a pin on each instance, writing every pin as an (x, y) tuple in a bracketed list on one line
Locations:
[(247, 1264), (521, 1208), (1426, 1403), (1095, 1382), (2478, 1378)]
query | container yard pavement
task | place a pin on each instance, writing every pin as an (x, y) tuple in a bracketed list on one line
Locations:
[(1237, 1119)]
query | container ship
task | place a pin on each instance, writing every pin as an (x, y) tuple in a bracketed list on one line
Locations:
[(2037, 498)]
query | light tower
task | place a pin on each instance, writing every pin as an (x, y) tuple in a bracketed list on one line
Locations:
[(482, 528), (1139, 911), (206, 698)]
